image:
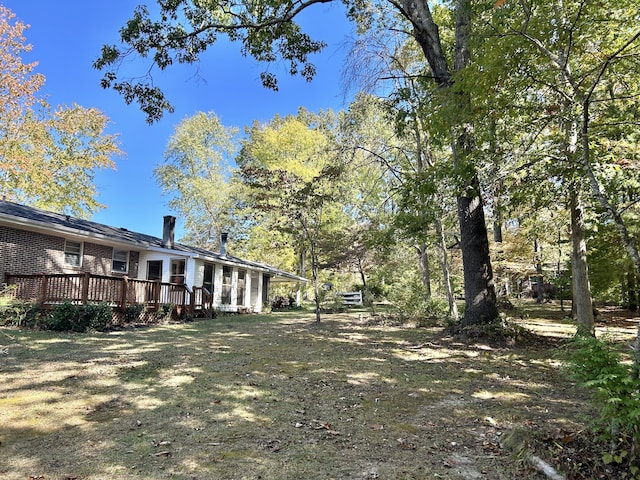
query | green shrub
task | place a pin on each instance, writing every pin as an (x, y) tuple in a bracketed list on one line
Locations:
[(132, 312), (8, 314), (96, 316), (616, 393), (165, 313), (409, 298), (333, 303), (18, 313), (67, 316), (64, 316), (436, 307)]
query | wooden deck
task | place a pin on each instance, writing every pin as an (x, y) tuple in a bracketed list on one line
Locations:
[(119, 292)]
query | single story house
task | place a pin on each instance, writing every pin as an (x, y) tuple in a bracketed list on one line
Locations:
[(53, 257)]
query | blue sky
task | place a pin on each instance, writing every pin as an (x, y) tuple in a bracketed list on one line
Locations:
[(67, 36)]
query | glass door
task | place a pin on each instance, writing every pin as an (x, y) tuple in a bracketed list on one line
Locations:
[(154, 270), (209, 275)]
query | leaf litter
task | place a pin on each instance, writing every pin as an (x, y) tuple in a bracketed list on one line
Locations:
[(277, 397)]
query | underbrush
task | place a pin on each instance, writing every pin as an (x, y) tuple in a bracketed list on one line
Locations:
[(15, 312), (421, 313), (411, 303), (502, 329), (599, 366)]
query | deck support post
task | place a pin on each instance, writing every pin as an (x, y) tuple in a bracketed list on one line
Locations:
[(123, 293), (85, 288), (43, 289)]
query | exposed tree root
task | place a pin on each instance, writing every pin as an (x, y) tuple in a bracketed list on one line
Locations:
[(516, 440), (545, 468), (501, 330)]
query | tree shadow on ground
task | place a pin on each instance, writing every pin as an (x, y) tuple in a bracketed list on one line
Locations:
[(276, 397)]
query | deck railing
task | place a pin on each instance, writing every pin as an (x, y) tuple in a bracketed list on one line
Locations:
[(120, 292), (202, 300)]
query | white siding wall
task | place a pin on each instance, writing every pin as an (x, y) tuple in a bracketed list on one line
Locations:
[(198, 274), (190, 273), (192, 269)]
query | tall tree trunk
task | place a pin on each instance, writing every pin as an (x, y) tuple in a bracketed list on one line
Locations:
[(559, 272), (632, 290), (302, 260), (444, 265), (314, 270), (363, 278), (479, 290), (540, 281), (498, 187), (497, 228), (624, 290), (581, 289), (425, 269)]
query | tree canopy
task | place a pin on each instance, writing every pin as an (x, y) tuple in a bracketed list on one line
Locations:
[(48, 156), (500, 109), (196, 174)]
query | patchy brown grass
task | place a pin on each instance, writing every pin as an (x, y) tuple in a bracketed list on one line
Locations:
[(277, 397)]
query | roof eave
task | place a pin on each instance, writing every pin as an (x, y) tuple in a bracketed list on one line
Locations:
[(48, 228)]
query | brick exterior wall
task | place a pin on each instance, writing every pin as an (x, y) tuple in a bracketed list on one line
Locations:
[(134, 261), (28, 253), (96, 259)]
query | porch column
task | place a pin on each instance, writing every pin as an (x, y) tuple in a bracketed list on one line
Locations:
[(260, 287), (217, 286), (247, 289), (234, 289)]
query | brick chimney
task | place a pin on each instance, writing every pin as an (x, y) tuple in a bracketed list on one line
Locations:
[(168, 231), (223, 243)]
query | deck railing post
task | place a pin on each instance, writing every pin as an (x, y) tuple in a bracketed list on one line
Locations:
[(85, 288), (123, 293), (192, 301), (156, 295), (43, 289)]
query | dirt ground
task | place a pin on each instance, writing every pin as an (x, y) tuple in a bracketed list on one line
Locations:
[(278, 397)]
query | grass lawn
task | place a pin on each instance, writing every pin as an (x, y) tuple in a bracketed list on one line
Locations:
[(278, 397)]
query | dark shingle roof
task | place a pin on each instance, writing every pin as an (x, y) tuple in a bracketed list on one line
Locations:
[(79, 224), (57, 221)]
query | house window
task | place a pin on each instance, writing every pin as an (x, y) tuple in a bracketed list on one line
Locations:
[(225, 294), (120, 261), (177, 271), (72, 253), (242, 275)]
